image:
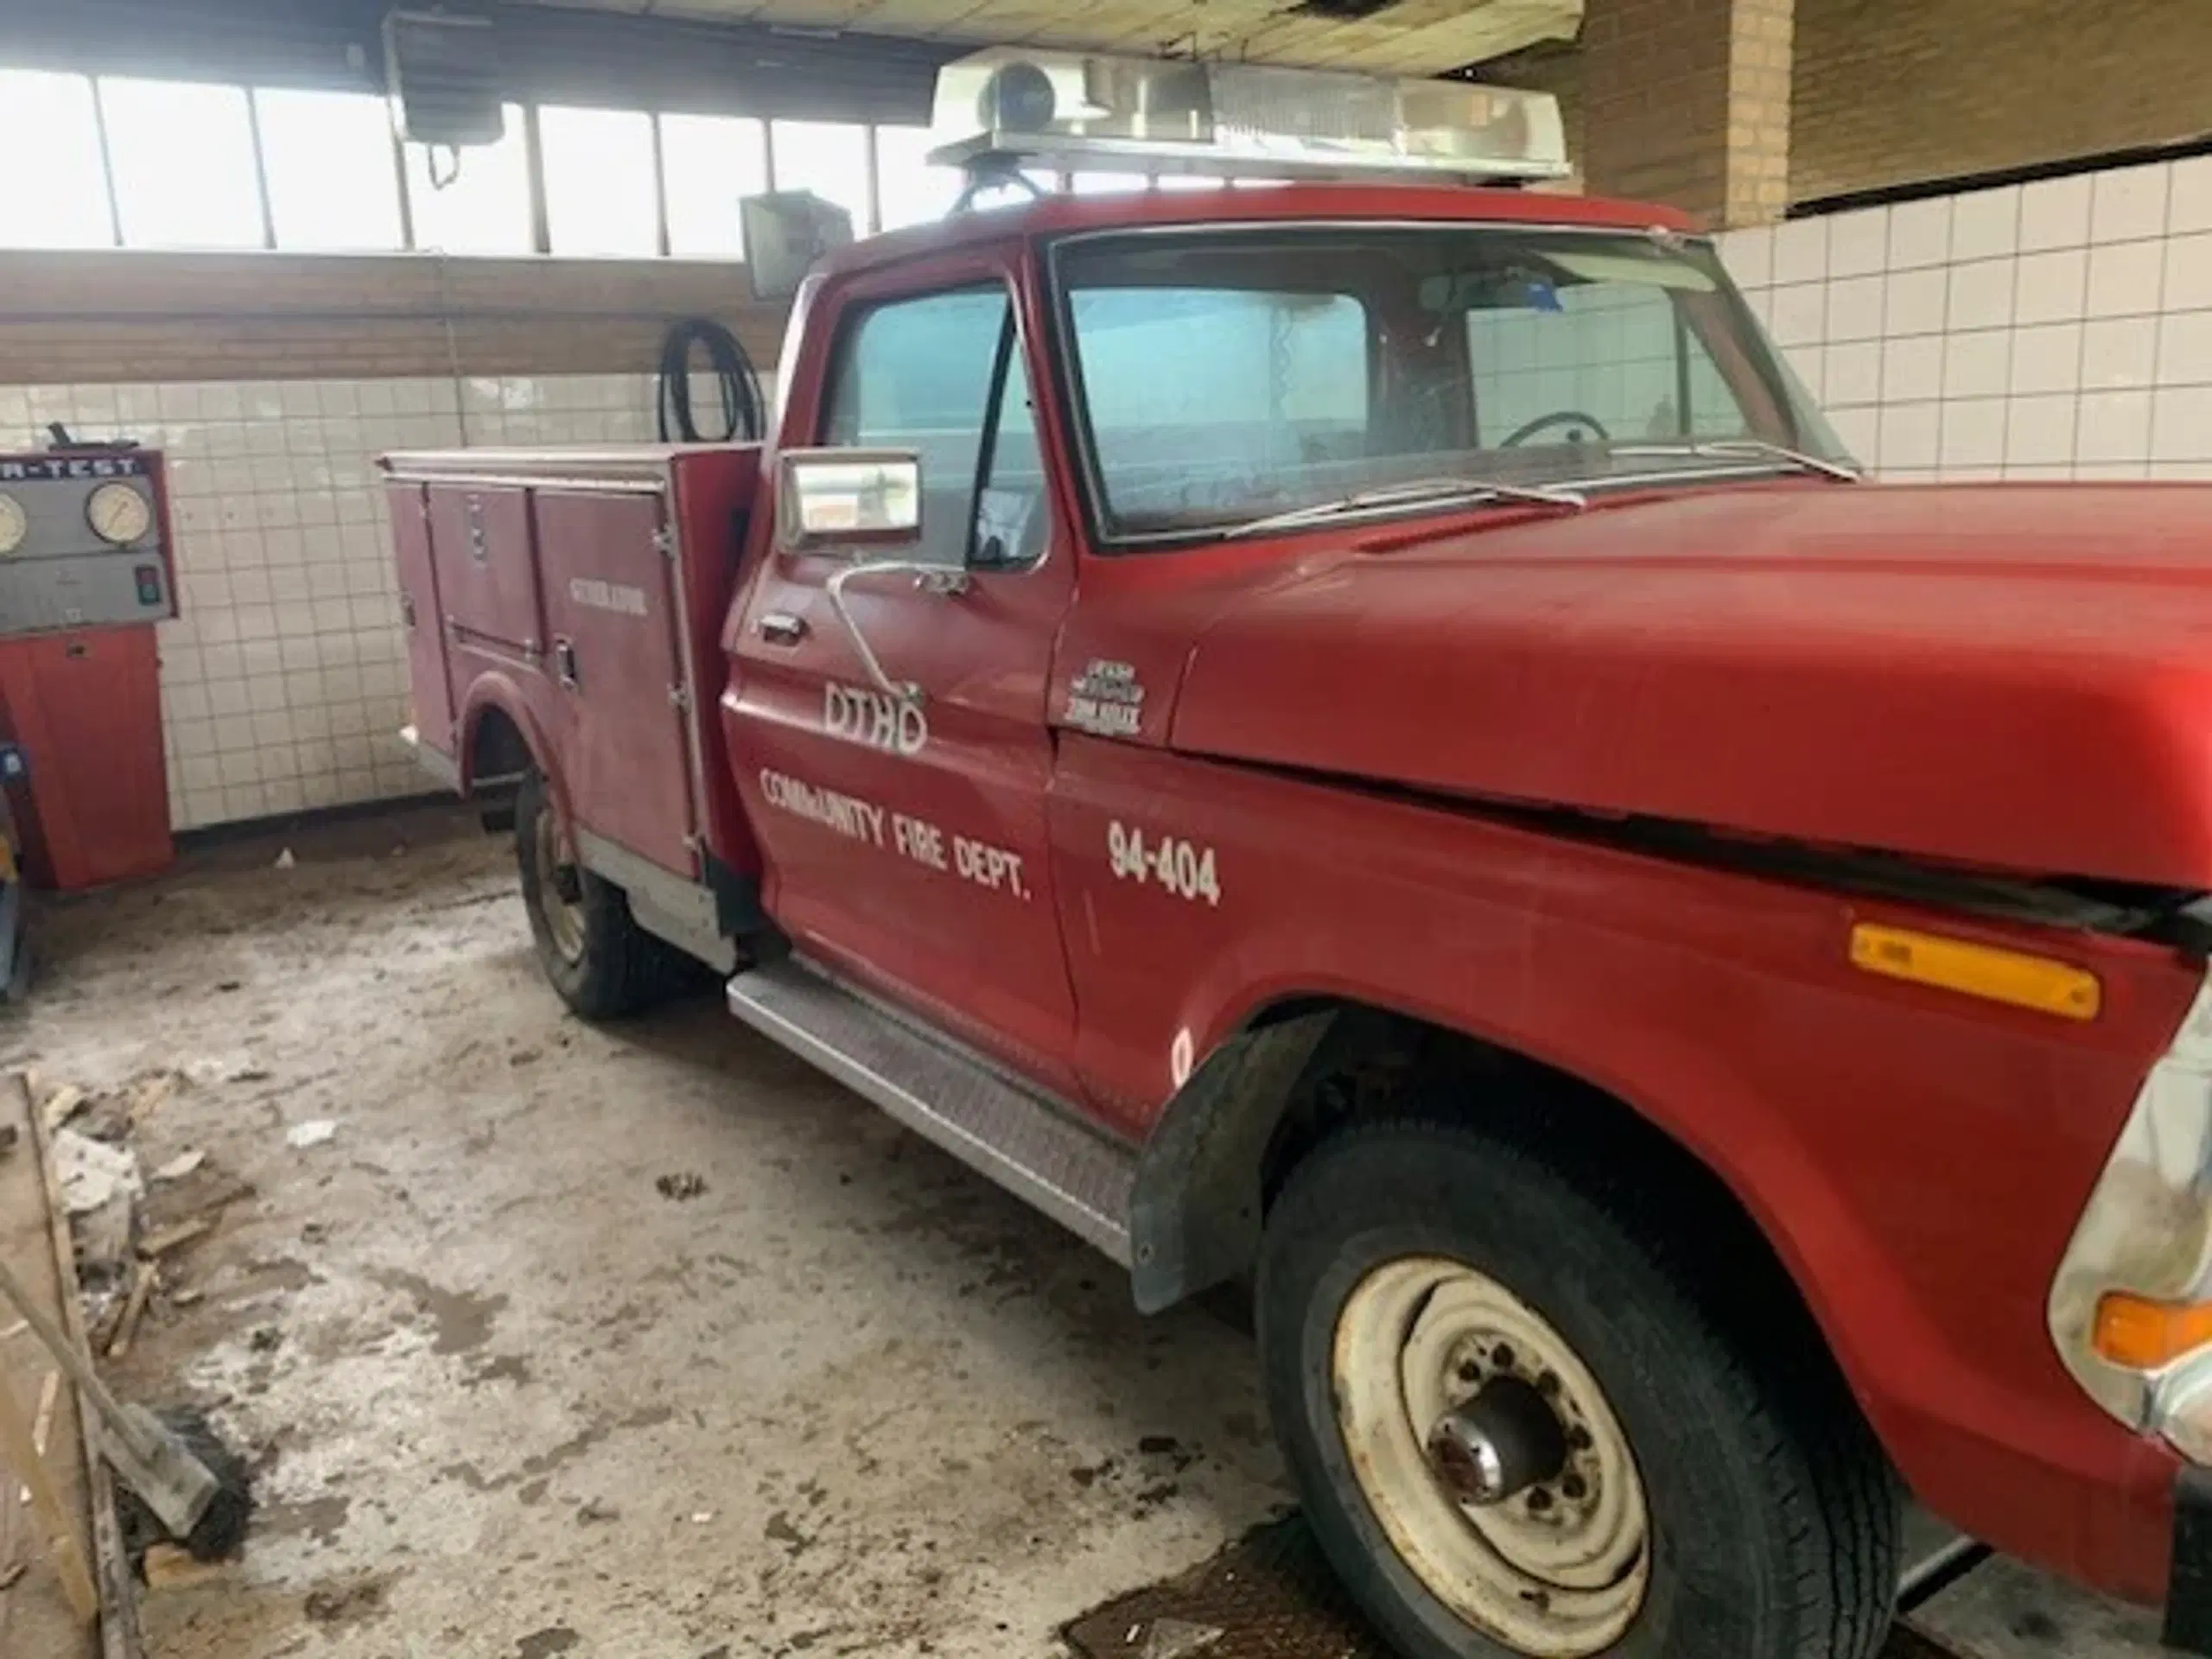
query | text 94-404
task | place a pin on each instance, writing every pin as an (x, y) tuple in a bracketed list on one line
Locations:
[(1183, 867)]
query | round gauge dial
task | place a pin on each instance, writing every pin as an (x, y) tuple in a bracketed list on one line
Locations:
[(14, 525), (117, 513)]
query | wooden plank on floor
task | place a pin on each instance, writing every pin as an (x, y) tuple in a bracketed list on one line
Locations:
[(119, 1589), (36, 1616)]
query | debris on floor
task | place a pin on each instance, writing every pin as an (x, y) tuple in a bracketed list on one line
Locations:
[(680, 1187), (313, 1133), (93, 1175), (182, 1165), (62, 1105)]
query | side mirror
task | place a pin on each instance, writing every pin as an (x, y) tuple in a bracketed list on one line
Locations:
[(849, 498)]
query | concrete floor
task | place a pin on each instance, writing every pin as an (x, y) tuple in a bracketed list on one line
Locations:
[(512, 1396)]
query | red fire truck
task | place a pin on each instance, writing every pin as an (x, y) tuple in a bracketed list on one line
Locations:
[(1366, 733)]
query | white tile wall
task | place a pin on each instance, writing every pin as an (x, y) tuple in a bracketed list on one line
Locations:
[(2058, 329), (284, 680)]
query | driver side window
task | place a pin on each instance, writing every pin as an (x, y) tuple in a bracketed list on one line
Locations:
[(1608, 351), (942, 375)]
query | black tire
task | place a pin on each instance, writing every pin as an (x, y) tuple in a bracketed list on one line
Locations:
[(618, 969), (1773, 1515)]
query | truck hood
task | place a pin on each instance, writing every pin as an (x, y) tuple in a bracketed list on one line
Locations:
[(2014, 677)]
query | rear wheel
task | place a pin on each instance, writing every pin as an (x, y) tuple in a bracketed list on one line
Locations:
[(603, 964), (1522, 1426)]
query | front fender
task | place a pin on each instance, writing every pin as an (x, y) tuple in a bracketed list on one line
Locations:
[(1916, 1159), (1195, 1205)]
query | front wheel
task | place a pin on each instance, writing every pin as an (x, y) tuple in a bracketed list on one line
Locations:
[(1521, 1429), (603, 964)]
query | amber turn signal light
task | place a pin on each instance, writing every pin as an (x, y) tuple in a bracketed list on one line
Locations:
[(2144, 1335), (2012, 977)]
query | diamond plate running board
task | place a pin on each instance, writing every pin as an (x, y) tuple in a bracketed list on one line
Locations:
[(1030, 1146)]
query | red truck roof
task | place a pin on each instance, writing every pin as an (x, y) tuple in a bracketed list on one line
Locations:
[(1064, 212)]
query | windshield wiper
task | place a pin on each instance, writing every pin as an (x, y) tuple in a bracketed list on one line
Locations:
[(1426, 492), (1746, 449)]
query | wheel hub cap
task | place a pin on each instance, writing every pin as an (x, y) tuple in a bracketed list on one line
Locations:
[(1498, 1444)]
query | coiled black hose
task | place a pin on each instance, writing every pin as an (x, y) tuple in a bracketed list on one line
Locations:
[(745, 417)]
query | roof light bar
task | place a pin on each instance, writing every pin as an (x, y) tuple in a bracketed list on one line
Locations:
[(1086, 110)]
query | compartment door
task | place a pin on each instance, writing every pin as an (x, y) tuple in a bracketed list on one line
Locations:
[(480, 544), (430, 683), (611, 618)]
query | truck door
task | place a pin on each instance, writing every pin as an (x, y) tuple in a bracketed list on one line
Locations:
[(904, 837)]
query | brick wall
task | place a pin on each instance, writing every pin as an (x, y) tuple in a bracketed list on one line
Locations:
[(95, 317), (1889, 91), (1886, 92), (1684, 101)]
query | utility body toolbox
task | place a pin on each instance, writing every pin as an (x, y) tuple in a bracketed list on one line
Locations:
[(567, 605)]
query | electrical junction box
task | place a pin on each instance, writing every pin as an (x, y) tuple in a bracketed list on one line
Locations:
[(84, 541)]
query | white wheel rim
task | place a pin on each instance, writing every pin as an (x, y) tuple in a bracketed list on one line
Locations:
[(1559, 1571), (564, 919)]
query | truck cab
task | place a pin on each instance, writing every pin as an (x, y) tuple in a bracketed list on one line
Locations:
[(1364, 735)]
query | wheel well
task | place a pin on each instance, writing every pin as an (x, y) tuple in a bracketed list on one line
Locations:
[(1376, 1063), (497, 751)]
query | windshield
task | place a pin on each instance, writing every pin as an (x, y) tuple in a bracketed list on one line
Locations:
[(1225, 375)]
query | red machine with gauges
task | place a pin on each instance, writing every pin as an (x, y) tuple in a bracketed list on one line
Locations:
[(85, 571)]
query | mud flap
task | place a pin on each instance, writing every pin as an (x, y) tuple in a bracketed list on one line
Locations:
[(2189, 1591), (1195, 1209)]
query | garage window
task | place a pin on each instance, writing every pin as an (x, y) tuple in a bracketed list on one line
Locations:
[(183, 162), (483, 207), (599, 193), (829, 158), (62, 201), (911, 190), (327, 157), (707, 163)]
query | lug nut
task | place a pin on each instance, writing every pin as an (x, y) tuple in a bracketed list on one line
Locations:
[(1578, 1438), (1502, 1357), (1470, 1370), (1547, 1384), (1540, 1501), (1574, 1488)]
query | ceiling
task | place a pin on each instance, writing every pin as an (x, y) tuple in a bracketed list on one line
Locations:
[(1406, 37)]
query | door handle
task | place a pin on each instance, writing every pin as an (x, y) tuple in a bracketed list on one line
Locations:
[(564, 663), (781, 628)]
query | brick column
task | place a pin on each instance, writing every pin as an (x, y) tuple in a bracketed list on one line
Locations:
[(1688, 102)]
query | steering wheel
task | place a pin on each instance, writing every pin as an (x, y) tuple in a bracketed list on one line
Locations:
[(1522, 434)]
